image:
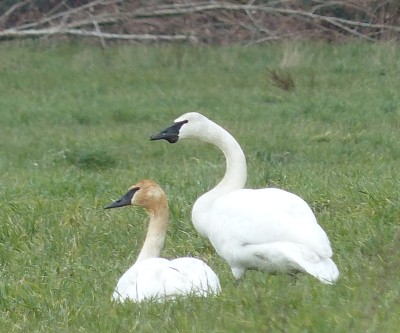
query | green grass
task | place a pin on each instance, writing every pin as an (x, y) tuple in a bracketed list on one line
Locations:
[(74, 127)]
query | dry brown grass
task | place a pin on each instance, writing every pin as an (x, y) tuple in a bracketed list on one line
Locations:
[(281, 79)]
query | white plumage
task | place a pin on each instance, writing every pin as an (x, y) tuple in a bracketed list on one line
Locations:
[(267, 229), (152, 277), (161, 279)]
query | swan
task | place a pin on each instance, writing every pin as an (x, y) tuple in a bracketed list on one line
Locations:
[(152, 277), (266, 229)]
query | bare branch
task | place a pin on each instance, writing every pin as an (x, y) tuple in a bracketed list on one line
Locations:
[(351, 31), (12, 9), (325, 4), (193, 7), (270, 38), (254, 22), (100, 19), (48, 19), (96, 26), (86, 33)]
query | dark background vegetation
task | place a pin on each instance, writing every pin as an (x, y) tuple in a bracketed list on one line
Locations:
[(207, 22)]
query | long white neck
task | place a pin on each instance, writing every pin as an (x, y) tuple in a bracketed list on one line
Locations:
[(155, 236), (236, 169), (234, 178)]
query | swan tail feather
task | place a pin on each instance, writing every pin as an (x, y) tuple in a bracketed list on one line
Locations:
[(292, 256), (323, 268)]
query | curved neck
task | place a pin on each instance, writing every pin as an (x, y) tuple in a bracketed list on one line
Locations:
[(156, 231), (236, 169)]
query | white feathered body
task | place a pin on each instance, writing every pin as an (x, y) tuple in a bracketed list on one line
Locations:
[(160, 279), (268, 229)]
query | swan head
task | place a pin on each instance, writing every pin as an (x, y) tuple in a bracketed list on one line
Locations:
[(147, 194), (190, 125)]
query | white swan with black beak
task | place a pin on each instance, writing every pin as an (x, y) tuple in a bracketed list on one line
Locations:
[(267, 229), (152, 277)]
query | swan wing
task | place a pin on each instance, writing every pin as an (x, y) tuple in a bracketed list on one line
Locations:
[(143, 280), (198, 275), (160, 279), (287, 256), (251, 217)]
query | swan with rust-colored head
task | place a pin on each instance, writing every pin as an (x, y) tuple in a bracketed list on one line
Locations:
[(267, 229), (152, 277)]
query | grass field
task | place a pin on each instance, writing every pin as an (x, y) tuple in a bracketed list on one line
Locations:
[(74, 127)]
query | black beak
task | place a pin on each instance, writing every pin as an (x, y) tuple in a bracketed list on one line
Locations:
[(125, 200), (171, 134)]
